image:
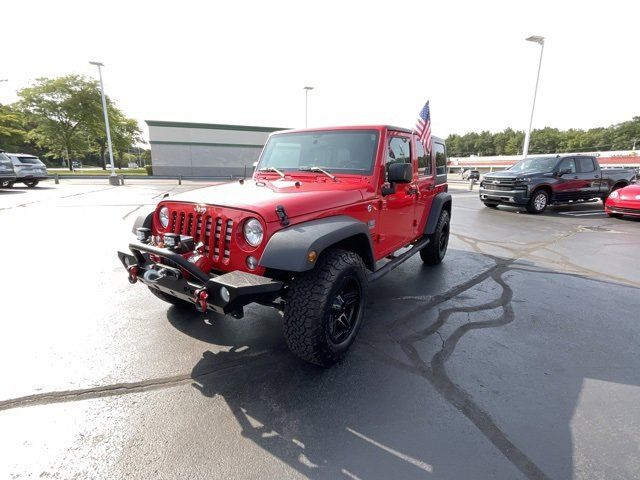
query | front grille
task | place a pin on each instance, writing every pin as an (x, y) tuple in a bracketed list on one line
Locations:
[(502, 188), (207, 229)]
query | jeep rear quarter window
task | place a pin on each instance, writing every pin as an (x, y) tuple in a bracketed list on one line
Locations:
[(441, 162)]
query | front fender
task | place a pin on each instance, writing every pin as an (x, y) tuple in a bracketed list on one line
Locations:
[(288, 248), (440, 201)]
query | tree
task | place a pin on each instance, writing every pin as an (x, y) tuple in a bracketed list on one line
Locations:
[(61, 110), (12, 132)]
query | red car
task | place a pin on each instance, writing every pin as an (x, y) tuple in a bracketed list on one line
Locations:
[(624, 201), (326, 212)]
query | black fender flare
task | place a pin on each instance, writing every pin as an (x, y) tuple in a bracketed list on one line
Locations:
[(145, 220), (441, 201), (287, 249)]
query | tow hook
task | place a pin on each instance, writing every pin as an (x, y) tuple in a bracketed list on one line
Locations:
[(201, 300), (133, 273)]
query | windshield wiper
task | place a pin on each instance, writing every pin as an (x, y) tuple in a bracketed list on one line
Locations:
[(272, 169), (318, 169)]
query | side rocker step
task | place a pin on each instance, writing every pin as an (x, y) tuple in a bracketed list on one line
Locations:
[(387, 267)]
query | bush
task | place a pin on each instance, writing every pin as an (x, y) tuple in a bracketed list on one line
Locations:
[(149, 169)]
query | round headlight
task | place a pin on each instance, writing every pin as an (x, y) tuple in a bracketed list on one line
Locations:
[(614, 194), (253, 232), (163, 215)]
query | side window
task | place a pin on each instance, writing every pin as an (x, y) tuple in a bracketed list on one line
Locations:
[(424, 160), (568, 163), (441, 158), (585, 164), (398, 151)]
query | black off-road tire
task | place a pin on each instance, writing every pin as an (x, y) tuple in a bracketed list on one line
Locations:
[(538, 202), (171, 299), (310, 309), (615, 215), (434, 252), (490, 204)]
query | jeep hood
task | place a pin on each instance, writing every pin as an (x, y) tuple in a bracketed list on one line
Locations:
[(262, 197)]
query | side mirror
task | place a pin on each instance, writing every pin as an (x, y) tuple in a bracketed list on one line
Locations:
[(563, 171), (400, 173)]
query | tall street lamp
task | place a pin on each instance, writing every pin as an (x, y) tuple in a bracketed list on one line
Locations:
[(540, 41), (113, 178), (306, 104)]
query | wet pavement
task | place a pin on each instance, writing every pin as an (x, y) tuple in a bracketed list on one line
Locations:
[(518, 357)]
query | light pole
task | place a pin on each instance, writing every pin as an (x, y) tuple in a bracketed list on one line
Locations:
[(306, 104), (540, 41), (113, 178)]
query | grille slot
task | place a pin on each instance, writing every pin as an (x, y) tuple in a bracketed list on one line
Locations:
[(227, 239), (215, 232)]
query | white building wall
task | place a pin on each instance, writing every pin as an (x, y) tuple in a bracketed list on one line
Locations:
[(196, 149)]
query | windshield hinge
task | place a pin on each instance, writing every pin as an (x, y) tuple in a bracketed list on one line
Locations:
[(282, 215)]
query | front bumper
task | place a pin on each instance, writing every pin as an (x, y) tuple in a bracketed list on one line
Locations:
[(622, 208), (242, 287), (507, 197)]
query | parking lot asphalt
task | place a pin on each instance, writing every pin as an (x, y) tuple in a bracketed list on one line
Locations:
[(518, 357)]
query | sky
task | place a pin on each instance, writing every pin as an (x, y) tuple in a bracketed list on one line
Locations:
[(370, 62)]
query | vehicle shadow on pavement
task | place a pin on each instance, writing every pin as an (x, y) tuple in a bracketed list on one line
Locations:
[(483, 378)]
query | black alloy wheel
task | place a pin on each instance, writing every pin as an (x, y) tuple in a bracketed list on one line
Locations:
[(344, 309)]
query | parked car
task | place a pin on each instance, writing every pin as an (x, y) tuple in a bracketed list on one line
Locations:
[(7, 174), (471, 175), (326, 212), (29, 169), (624, 201), (537, 182)]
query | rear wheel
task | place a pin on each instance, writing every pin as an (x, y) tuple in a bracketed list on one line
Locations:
[(170, 299), (434, 252), (325, 307), (31, 183), (538, 202)]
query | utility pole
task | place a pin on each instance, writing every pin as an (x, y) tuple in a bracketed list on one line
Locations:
[(306, 104), (540, 41), (113, 178)]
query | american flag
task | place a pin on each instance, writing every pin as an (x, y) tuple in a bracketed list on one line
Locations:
[(423, 126)]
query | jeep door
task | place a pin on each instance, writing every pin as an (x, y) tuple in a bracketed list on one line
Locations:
[(397, 209), (425, 183)]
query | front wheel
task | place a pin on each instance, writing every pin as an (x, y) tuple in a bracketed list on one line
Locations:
[(436, 249), (490, 204), (538, 202), (324, 308)]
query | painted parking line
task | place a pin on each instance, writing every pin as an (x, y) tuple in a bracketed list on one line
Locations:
[(583, 214)]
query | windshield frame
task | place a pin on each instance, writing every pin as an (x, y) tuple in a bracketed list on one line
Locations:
[(531, 159), (332, 170)]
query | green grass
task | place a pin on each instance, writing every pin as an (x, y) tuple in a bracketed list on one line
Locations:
[(119, 171)]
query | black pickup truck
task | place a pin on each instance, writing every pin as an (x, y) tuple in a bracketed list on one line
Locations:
[(537, 182)]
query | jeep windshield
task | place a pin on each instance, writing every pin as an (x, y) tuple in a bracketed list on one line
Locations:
[(535, 164), (348, 151)]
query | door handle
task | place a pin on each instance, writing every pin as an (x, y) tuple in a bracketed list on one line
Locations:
[(575, 178), (412, 191)]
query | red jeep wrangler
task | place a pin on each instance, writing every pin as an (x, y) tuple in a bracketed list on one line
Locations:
[(326, 212)]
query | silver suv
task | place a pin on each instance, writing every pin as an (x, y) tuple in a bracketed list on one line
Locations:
[(7, 175), (29, 169)]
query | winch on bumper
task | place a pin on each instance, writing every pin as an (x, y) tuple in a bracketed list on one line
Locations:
[(226, 293)]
